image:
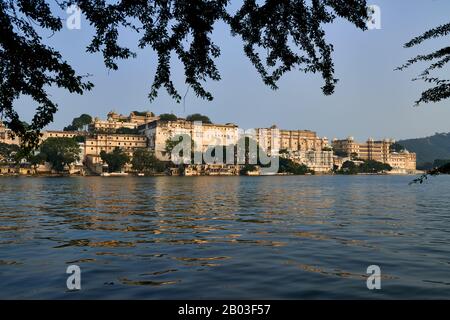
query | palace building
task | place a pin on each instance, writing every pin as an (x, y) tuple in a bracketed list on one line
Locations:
[(204, 135), (95, 144), (376, 150), (300, 146), (61, 134), (6, 135), (273, 139), (116, 121)]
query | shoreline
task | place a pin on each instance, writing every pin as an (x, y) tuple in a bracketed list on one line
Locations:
[(196, 176)]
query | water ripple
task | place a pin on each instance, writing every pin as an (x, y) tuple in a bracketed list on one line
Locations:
[(224, 237)]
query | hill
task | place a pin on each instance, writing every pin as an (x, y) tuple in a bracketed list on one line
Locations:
[(429, 149)]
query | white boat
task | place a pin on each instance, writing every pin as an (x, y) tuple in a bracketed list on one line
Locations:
[(114, 174)]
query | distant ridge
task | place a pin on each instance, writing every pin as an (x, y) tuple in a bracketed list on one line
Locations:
[(430, 148)]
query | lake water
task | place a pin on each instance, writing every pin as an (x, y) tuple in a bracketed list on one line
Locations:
[(224, 237)]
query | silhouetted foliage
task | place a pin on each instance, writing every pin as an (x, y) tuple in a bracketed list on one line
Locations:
[(28, 66), (438, 60), (290, 32), (445, 169)]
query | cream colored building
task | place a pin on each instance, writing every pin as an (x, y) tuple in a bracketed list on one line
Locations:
[(318, 161), (211, 170), (370, 150), (273, 139), (61, 134), (403, 162), (7, 136), (116, 121), (95, 144), (300, 146), (377, 150), (204, 135)]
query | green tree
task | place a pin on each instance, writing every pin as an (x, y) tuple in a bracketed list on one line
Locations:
[(349, 167), (144, 161), (8, 153), (127, 131), (60, 152), (115, 160), (143, 113), (168, 117), (290, 33), (372, 166), (341, 153), (354, 156), (397, 147), (198, 117), (80, 139), (289, 166), (79, 123), (368, 166), (440, 163), (36, 159)]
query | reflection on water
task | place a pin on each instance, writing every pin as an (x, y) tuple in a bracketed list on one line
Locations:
[(224, 237)]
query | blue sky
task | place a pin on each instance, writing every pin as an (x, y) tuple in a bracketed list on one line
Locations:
[(371, 100)]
